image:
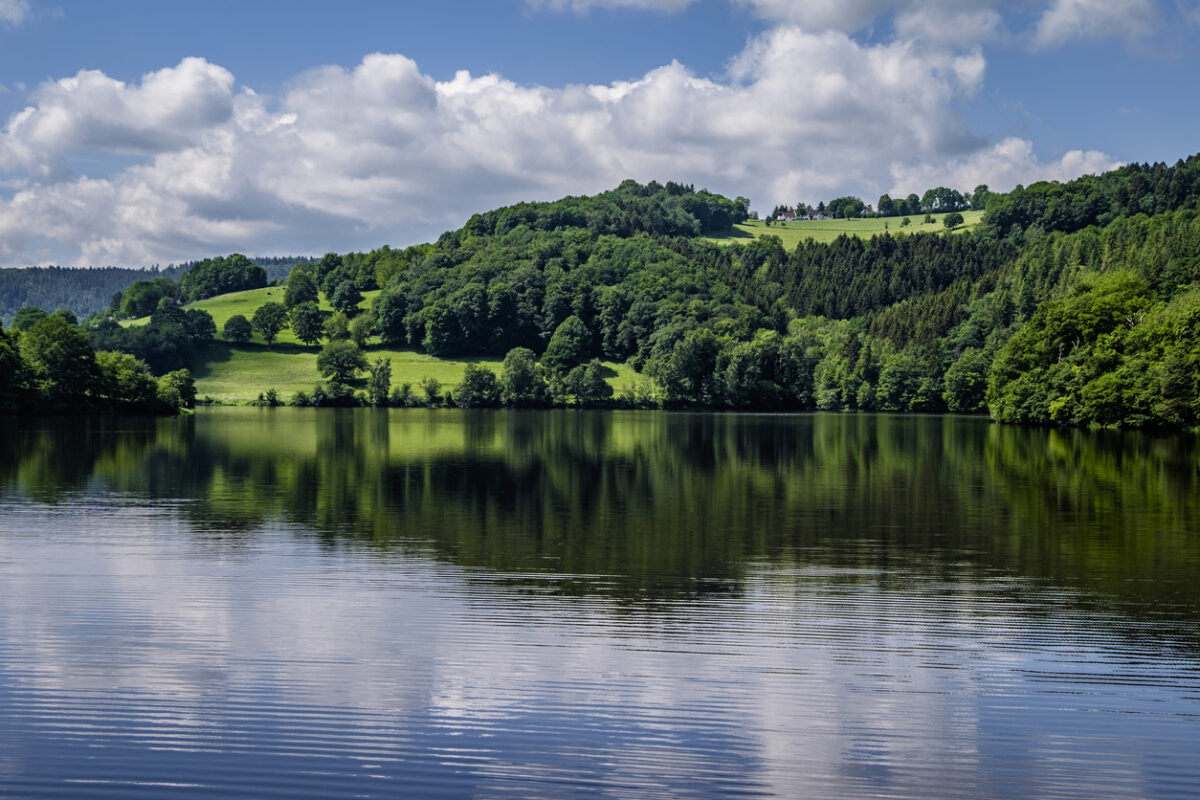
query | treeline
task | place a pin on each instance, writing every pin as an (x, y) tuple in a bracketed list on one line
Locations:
[(938, 200), (51, 367), (82, 291), (1095, 199), (90, 290)]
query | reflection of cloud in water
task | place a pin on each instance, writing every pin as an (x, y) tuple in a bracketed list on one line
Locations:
[(811, 682)]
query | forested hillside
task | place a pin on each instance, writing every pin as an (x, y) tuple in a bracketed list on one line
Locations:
[(1067, 304), (86, 291)]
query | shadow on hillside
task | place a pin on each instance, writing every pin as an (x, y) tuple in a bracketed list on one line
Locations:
[(207, 355)]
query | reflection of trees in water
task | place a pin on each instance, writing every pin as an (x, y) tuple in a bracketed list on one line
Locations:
[(646, 504)]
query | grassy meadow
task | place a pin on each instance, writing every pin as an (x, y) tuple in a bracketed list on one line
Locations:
[(237, 373), (826, 230)]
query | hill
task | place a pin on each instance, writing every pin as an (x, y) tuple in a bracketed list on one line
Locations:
[(1027, 312)]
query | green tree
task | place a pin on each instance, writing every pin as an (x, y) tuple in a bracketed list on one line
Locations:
[(346, 298), (337, 327), (380, 381), (199, 324), (521, 383), (341, 361), (301, 288), (124, 383), (269, 320), (587, 385), (177, 389), (952, 220), (61, 361), (361, 329), (14, 376), (568, 346), (432, 389), (141, 298), (220, 275), (307, 322), (28, 316), (478, 388), (238, 329)]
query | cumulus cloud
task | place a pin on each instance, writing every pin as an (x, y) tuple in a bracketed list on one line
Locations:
[(1001, 166), (13, 12), (383, 153), (91, 111), (1067, 20)]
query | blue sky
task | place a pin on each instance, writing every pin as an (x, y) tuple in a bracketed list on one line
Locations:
[(145, 132)]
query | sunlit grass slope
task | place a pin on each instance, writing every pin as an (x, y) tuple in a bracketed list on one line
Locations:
[(246, 303), (230, 373), (237, 373), (793, 233)]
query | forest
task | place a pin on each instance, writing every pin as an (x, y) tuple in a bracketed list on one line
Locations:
[(1071, 304)]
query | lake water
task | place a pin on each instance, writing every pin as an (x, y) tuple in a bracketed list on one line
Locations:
[(325, 604)]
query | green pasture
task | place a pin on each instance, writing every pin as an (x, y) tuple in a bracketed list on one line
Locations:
[(236, 373), (826, 230), (246, 303)]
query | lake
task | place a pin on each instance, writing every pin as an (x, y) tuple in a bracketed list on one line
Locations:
[(420, 603)]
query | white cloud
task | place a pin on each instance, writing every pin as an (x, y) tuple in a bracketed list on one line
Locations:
[(1001, 166), (581, 6), (91, 111), (1067, 20), (383, 153), (13, 12), (951, 22)]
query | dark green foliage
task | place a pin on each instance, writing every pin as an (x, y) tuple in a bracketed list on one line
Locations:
[(851, 277), (846, 208), (380, 381), (199, 324), (478, 388), (345, 298), (361, 329), (238, 329), (84, 291), (402, 397), (569, 346), (432, 389), (124, 384), (337, 327), (341, 361), (221, 275), (586, 385), (671, 210), (301, 288), (521, 382), (952, 221), (141, 298), (1096, 199), (177, 389), (27, 317), (61, 362), (269, 320), (14, 375), (308, 323)]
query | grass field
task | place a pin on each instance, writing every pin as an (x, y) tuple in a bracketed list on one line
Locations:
[(235, 373), (793, 233), (246, 303)]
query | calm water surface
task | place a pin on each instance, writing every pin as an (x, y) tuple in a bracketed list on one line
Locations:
[(290, 603)]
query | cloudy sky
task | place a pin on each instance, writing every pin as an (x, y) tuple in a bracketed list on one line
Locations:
[(142, 132)]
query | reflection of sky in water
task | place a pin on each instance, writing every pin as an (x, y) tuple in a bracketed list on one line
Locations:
[(138, 659)]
